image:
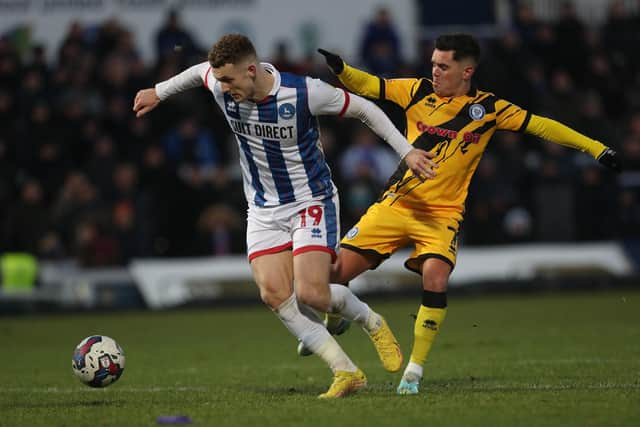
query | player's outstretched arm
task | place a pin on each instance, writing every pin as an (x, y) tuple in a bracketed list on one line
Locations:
[(554, 131), (419, 161), (148, 99), (355, 80), (334, 61), (145, 101), (610, 159)]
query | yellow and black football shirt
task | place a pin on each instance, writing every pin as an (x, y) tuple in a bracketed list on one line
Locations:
[(457, 129)]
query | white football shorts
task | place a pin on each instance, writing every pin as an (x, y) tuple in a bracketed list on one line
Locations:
[(312, 225)]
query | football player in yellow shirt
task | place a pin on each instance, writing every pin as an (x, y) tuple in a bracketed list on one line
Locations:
[(453, 119)]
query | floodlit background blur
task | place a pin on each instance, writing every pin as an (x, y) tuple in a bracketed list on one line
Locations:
[(100, 210)]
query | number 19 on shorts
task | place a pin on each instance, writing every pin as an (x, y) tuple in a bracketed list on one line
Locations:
[(317, 225)]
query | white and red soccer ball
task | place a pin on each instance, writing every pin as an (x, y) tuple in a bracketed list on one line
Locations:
[(98, 361)]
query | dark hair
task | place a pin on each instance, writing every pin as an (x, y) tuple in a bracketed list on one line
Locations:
[(231, 49), (462, 45)]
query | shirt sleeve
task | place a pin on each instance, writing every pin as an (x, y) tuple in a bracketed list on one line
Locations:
[(325, 99), (511, 117), (554, 131), (197, 75), (361, 82), (400, 91)]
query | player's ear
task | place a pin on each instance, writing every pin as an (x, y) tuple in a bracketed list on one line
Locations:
[(252, 69), (468, 71)]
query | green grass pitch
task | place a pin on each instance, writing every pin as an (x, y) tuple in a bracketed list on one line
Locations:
[(570, 359)]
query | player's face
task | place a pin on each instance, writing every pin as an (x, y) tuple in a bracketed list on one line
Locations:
[(238, 80), (450, 77)]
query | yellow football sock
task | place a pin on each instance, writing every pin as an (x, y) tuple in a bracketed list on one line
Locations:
[(426, 328)]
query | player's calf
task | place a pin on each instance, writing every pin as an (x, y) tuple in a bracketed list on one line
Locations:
[(336, 325)]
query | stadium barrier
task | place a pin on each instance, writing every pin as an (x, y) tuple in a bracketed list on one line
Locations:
[(169, 283), (165, 283)]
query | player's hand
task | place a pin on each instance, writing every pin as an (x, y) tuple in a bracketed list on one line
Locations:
[(333, 61), (420, 163), (145, 101), (610, 159)]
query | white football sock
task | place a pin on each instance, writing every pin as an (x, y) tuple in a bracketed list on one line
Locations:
[(314, 336), (349, 306), (413, 372), (310, 313)]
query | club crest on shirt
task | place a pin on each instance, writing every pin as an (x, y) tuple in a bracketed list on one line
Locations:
[(476, 111), (352, 233), (286, 110)]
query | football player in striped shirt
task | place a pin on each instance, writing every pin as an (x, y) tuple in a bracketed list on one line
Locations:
[(454, 120), (293, 227)]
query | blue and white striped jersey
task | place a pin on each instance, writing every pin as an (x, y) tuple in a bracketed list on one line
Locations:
[(279, 141)]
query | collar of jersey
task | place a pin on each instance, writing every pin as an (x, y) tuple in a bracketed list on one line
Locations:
[(276, 81), (472, 92)]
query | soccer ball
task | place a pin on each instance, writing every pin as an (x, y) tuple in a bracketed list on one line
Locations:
[(98, 361)]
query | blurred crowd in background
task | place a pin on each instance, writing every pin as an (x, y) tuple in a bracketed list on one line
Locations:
[(81, 178)]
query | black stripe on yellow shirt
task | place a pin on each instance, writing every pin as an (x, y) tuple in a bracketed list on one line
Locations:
[(525, 122)]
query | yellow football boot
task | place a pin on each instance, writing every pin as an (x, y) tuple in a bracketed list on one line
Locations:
[(387, 346), (344, 384)]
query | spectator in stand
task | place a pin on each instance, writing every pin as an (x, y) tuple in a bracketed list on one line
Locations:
[(621, 34), (38, 62), (571, 42), (634, 124), (27, 221), (366, 152), (563, 101), (128, 232), (50, 167), (517, 225), (503, 71), (162, 185), (9, 115), (490, 198), (173, 39), (192, 149), (380, 50), (8, 184), (629, 194), (93, 246), (631, 149), (594, 205), (9, 66), (77, 200), (219, 231), (102, 164), (526, 23), (282, 60), (593, 121), (597, 76)]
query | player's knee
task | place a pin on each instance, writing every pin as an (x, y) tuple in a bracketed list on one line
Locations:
[(436, 282), (273, 295), (314, 295)]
